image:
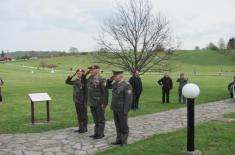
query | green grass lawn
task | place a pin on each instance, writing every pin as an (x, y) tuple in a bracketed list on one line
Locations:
[(15, 112), (230, 115), (213, 138)]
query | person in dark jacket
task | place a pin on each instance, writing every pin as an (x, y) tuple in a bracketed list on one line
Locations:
[(79, 98), (1, 83), (136, 84), (97, 99), (182, 81), (166, 84), (231, 88), (120, 105)]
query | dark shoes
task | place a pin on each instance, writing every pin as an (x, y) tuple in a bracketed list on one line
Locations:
[(97, 136), (92, 136), (81, 130), (76, 130), (116, 143)]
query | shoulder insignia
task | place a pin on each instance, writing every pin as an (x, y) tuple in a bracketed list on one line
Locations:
[(104, 83), (129, 91)]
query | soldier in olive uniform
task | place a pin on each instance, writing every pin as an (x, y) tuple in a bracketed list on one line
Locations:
[(79, 98), (182, 81), (1, 83), (97, 99), (121, 104)]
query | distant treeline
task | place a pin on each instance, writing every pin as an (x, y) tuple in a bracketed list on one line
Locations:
[(42, 54)]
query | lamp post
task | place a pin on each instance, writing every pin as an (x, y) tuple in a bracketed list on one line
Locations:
[(190, 91)]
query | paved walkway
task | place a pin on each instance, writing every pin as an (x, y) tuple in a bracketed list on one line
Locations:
[(65, 141)]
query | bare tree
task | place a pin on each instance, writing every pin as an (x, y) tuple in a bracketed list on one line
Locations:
[(134, 38), (73, 50), (221, 44)]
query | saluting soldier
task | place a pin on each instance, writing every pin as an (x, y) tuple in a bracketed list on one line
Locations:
[(1, 83), (97, 100), (166, 84), (182, 81), (121, 104), (79, 98)]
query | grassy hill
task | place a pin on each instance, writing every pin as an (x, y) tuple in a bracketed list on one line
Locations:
[(205, 61), (19, 81), (183, 61)]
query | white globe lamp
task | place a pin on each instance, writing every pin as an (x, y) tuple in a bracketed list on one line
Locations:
[(190, 91)]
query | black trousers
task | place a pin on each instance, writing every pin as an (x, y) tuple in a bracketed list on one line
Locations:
[(122, 128), (135, 101), (81, 110), (165, 95), (181, 97), (231, 94), (99, 119)]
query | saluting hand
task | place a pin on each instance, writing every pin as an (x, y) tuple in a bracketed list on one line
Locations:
[(88, 71), (73, 75), (111, 78)]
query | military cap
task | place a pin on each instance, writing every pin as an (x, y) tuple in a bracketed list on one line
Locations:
[(94, 67), (117, 72), (80, 70)]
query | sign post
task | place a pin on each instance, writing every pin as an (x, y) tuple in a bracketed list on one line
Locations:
[(40, 97)]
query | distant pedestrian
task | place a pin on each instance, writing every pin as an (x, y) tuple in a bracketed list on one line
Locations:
[(182, 81), (79, 98), (136, 84), (231, 88), (167, 85), (1, 83)]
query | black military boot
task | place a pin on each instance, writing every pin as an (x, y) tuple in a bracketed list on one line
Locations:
[(124, 139), (93, 136), (118, 140), (82, 129), (98, 136), (78, 130), (116, 143)]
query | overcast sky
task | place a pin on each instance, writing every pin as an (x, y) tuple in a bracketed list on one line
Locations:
[(61, 24)]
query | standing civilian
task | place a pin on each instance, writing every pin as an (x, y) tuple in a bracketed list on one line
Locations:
[(182, 81), (136, 84), (166, 84)]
